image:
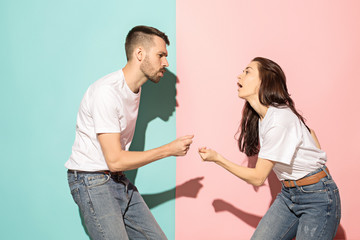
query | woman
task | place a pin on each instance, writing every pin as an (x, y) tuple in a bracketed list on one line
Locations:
[(308, 205)]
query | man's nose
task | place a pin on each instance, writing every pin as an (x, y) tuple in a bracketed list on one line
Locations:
[(165, 63)]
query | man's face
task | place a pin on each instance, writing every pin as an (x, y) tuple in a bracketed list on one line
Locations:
[(155, 62)]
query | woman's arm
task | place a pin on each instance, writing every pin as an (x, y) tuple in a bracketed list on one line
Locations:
[(315, 138), (255, 176)]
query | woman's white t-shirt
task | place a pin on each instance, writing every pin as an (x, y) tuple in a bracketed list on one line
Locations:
[(285, 140)]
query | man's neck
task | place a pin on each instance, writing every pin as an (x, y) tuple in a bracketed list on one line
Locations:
[(134, 77)]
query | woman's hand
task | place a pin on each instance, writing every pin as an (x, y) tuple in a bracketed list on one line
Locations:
[(208, 154)]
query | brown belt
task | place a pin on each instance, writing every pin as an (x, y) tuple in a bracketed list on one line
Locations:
[(306, 180)]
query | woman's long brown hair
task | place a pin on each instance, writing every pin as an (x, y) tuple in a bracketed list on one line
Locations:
[(272, 92)]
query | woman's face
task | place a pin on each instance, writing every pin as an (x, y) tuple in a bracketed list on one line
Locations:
[(249, 82)]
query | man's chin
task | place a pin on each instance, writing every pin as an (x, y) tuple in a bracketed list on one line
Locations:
[(155, 80)]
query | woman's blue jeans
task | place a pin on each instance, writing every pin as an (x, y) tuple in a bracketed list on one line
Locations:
[(112, 209), (306, 212)]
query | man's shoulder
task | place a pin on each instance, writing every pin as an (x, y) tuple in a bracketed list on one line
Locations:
[(110, 79), (109, 82)]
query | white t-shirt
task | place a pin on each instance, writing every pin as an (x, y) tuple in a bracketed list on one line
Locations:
[(108, 106), (285, 140)]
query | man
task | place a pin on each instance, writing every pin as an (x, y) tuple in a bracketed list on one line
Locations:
[(110, 205)]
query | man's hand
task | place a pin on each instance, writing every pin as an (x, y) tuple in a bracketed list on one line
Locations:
[(180, 146)]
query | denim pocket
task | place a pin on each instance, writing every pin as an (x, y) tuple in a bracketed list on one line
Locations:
[(97, 180), (72, 180), (331, 183), (76, 195), (337, 204), (314, 188), (334, 195)]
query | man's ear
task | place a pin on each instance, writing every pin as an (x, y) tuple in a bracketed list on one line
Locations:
[(140, 54)]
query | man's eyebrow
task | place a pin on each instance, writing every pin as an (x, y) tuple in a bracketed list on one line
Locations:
[(162, 53), (249, 67)]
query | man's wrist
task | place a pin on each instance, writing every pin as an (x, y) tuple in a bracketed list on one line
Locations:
[(165, 151)]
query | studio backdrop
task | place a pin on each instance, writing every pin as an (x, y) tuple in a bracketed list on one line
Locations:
[(51, 51)]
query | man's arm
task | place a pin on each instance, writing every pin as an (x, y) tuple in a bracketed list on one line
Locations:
[(121, 160)]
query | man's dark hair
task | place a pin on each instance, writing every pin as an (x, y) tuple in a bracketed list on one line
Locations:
[(142, 35)]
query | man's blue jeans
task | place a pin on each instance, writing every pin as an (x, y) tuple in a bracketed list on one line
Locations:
[(112, 209), (306, 212)]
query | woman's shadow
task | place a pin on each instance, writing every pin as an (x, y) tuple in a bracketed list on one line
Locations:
[(159, 101), (252, 219)]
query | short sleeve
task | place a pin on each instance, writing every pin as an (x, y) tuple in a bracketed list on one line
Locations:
[(280, 143), (104, 109)]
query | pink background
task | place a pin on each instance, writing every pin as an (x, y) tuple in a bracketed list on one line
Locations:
[(317, 45)]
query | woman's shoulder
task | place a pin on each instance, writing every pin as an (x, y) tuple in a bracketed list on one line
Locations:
[(283, 115)]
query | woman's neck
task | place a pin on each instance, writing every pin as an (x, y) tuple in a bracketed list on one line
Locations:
[(259, 108)]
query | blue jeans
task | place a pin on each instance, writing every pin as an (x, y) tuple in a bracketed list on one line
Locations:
[(112, 209), (306, 212)]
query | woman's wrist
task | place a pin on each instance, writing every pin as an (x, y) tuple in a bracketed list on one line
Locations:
[(217, 158)]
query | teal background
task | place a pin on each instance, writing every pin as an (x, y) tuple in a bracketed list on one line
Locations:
[(51, 51)]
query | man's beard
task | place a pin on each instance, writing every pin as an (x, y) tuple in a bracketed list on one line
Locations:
[(149, 71)]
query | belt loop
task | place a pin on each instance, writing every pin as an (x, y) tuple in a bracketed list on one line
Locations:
[(295, 185), (289, 183), (75, 174), (324, 168)]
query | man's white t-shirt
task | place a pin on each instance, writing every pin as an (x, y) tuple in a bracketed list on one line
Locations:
[(108, 106), (285, 140)]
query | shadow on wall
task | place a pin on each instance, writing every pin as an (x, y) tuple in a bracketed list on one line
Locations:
[(159, 101), (251, 219)]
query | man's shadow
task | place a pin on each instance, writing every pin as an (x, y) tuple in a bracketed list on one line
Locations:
[(252, 219), (159, 101)]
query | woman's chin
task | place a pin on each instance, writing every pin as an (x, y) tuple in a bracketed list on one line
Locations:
[(241, 96)]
